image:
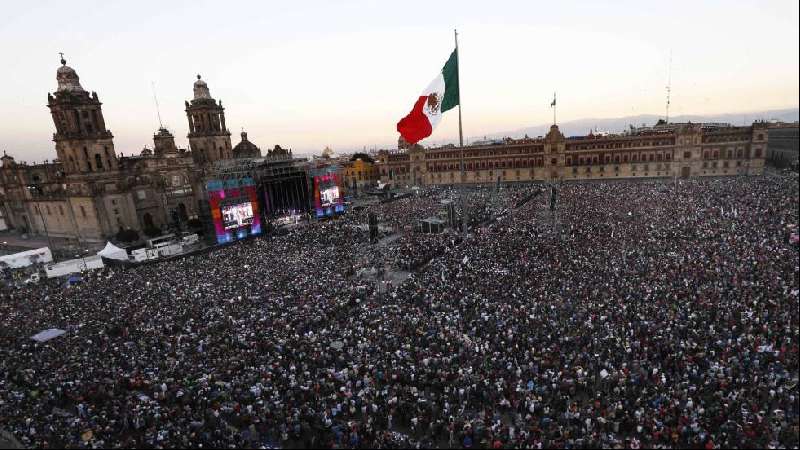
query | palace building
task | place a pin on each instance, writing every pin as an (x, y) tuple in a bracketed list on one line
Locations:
[(665, 150)]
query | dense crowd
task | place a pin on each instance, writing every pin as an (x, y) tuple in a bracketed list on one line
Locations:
[(640, 314)]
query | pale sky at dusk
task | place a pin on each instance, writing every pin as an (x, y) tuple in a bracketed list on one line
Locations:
[(309, 74)]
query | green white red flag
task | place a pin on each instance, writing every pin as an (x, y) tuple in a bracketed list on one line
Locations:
[(440, 96)]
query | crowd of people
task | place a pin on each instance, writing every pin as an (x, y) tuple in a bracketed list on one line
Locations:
[(638, 314)]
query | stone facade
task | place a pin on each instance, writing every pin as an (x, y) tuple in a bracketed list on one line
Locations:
[(209, 139), (89, 193), (682, 150), (246, 149), (358, 174)]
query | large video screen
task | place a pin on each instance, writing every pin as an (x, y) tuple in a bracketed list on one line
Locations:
[(236, 216), (328, 198), (329, 195), (234, 208)]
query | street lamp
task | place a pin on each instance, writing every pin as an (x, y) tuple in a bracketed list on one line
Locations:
[(82, 256)]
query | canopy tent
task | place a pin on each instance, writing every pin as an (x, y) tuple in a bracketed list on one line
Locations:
[(28, 257), (111, 251), (48, 334), (74, 266), (432, 225)]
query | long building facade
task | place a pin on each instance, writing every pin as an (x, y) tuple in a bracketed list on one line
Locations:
[(665, 150)]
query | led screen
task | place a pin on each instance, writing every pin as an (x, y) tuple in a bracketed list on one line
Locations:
[(329, 196), (235, 216)]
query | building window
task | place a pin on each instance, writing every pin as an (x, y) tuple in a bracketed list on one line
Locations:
[(61, 210), (687, 155), (48, 209), (83, 211)]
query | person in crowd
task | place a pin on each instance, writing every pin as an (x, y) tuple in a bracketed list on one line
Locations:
[(638, 315)]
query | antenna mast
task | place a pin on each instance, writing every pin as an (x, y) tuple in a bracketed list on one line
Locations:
[(158, 111), (669, 83)]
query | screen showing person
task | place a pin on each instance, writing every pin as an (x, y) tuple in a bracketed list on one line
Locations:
[(329, 196), (235, 216)]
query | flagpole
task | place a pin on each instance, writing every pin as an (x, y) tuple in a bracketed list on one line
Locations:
[(461, 145), (458, 73)]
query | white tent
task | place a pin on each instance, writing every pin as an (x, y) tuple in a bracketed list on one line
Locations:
[(28, 257), (46, 335), (73, 266), (111, 251)]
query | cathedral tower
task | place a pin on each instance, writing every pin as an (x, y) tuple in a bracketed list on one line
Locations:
[(83, 143), (209, 138), (164, 144)]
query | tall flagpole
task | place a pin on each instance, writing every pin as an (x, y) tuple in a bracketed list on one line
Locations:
[(458, 73), (461, 145)]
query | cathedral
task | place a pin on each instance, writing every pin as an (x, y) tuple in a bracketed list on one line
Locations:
[(89, 193)]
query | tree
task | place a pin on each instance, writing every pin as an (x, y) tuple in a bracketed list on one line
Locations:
[(127, 235), (362, 156), (152, 231)]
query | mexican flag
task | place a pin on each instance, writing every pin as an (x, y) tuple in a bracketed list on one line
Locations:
[(440, 96)]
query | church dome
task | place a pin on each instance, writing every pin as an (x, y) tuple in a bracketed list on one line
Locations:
[(201, 89), (68, 79), (246, 149)]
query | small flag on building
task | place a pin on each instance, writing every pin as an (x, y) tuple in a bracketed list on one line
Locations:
[(553, 103), (440, 96)]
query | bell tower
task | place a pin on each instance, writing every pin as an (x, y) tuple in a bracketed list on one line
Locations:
[(209, 138), (83, 143)]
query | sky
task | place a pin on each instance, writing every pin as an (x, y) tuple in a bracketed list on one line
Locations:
[(310, 74)]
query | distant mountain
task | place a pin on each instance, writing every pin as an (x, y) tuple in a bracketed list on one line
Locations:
[(581, 127)]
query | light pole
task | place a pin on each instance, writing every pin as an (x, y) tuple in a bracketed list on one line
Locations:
[(82, 256), (44, 224)]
